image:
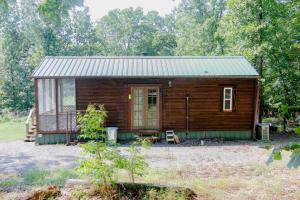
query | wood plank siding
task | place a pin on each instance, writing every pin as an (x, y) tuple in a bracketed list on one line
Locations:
[(205, 102)]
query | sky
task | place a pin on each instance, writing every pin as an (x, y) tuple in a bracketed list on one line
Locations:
[(99, 8)]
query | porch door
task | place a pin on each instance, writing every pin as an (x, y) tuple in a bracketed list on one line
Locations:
[(145, 108)]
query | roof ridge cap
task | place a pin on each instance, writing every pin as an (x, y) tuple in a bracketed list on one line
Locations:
[(146, 57)]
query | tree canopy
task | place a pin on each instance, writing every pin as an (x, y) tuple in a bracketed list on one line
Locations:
[(266, 32)]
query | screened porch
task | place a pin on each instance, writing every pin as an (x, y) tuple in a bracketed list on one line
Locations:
[(56, 105)]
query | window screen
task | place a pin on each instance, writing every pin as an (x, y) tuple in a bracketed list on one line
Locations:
[(47, 104), (66, 95)]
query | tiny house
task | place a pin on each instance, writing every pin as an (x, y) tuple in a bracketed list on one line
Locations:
[(197, 97)]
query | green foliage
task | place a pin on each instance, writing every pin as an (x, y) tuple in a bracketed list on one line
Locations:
[(135, 163), (297, 130), (277, 155), (42, 177), (3, 5), (6, 183), (131, 32), (102, 165), (79, 193), (35, 177), (38, 177), (268, 146), (167, 194), (273, 120), (55, 10), (91, 122), (258, 30), (197, 23), (296, 152), (284, 113), (103, 160), (58, 177), (295, 146)]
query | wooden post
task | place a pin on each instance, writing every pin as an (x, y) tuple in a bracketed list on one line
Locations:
[(187, 113), (36, 104), (67, 137), (56, 105)]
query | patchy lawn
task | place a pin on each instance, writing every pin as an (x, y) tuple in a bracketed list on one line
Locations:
[(12, 130), (226, 170)]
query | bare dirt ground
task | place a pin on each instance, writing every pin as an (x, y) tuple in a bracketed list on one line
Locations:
[(218, 170)]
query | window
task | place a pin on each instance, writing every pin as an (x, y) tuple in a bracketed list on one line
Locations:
[(227, 99)]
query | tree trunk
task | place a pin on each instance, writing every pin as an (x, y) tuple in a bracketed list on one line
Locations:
[(261, 61)]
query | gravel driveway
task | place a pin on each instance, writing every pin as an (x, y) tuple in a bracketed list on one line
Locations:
[(19, 156)]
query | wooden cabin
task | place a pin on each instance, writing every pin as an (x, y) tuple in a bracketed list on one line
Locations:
[(197, 97)]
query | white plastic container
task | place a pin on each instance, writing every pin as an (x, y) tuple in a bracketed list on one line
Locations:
[(111, 134)]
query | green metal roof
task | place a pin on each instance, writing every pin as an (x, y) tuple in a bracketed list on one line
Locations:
[(147, 66)]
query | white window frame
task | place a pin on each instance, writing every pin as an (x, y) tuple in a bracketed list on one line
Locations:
[(224, 98)]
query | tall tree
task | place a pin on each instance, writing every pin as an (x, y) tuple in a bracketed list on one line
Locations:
[(17, 94), (57, 10), (258, 30), (130, 32), (197, 24)]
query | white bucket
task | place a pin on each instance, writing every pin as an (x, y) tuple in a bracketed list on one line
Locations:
[(111, 134)]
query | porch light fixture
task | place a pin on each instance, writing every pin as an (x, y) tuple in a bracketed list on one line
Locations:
[(170, 83)]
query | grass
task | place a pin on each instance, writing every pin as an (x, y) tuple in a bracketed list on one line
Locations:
[(41, 177), (12, 130), (270, 182), (38, 178), (251, 182)]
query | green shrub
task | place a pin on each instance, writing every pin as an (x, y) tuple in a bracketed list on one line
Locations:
[(79, 193), (291, 147), (135, 163), (277, 155), (272, 120), (268, 146), (59, 177), (35, 177), (102, 161), (166, 194), (6, 183), (41, 177), (296, 152), (297, 131), (7, 115), (295, 146)]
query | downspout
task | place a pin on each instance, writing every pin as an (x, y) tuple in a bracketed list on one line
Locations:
[(187, 114)]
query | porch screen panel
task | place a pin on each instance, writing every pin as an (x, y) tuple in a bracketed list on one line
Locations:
[(47, 102), (66, 104)]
